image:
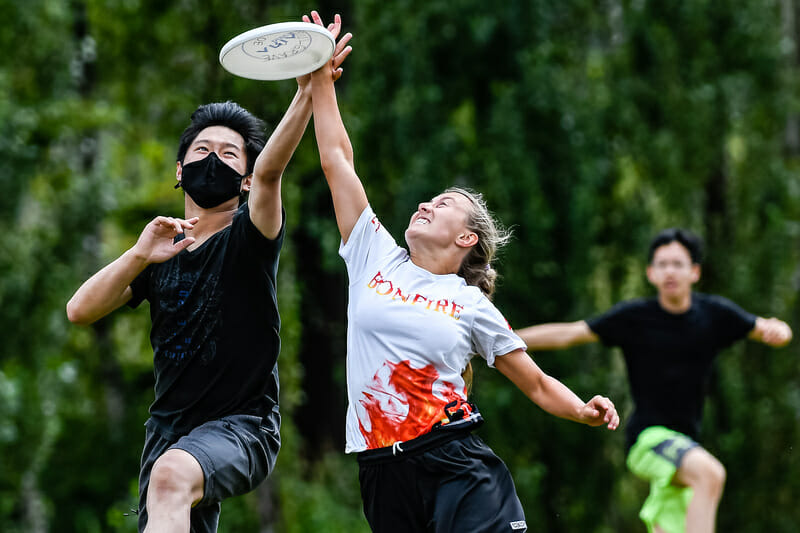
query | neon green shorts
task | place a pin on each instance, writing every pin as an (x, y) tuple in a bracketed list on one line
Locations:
[(655, 458)]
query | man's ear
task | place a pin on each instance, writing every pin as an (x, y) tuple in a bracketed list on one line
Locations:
[(247, 182), (650, 274), (696, 271), (178, 171), (467, 240)]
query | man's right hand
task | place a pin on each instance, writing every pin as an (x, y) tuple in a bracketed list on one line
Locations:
[(110, 288), (157, 243)]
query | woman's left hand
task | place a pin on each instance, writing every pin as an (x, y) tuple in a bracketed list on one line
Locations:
[(340, 53), (598, 411)]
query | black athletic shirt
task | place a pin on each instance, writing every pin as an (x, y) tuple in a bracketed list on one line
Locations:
[(215, 328), (669, 356)]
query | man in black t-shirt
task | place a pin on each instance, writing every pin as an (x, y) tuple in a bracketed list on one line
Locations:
[(210, 278), (669, 343)]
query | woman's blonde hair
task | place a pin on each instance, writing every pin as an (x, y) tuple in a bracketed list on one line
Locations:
[(477, 266)]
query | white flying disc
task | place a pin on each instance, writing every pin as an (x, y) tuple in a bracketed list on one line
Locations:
[(278, 51)]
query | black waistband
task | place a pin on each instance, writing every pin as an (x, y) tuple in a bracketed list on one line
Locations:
[(419, 445)]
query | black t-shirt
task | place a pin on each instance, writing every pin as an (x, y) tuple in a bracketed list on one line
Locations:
[(215, 328), (669, 356)]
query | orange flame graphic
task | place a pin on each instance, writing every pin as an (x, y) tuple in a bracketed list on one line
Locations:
[(403, 406)]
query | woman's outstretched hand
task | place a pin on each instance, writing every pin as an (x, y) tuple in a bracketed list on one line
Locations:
[(340, 52), (598, 411)]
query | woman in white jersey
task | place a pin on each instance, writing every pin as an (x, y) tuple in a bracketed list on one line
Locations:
[(415, 319)]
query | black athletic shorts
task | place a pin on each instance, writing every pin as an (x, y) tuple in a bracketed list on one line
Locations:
[(236, 454), (456, 486)]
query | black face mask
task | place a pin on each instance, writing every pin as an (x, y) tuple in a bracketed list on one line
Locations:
[(209, 181)]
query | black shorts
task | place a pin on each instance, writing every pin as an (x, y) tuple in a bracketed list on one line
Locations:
[(236, 454), (457, 486)]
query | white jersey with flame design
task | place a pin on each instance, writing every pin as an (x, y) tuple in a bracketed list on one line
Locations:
[(410, 336)]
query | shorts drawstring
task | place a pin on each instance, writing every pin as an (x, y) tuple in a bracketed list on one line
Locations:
[(396, 448)]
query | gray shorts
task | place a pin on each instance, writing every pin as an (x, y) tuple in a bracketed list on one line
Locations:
[(236, 454)]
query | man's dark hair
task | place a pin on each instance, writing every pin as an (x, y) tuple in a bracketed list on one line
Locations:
[(233, 116), (689, 240)]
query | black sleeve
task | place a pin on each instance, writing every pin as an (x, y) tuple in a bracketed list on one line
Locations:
[(252, 244), (731, 322), (140, 287), (614, 325)]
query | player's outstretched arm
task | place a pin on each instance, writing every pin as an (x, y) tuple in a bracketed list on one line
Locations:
[(552, 395), (109, 288), (335, 150), (264, 198), (771, 331), (265, 192), (557, 335)]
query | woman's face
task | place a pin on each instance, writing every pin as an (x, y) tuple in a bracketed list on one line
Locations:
[(441, 221)]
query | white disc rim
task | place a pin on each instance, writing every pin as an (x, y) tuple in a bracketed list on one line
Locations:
[(283, 50)]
